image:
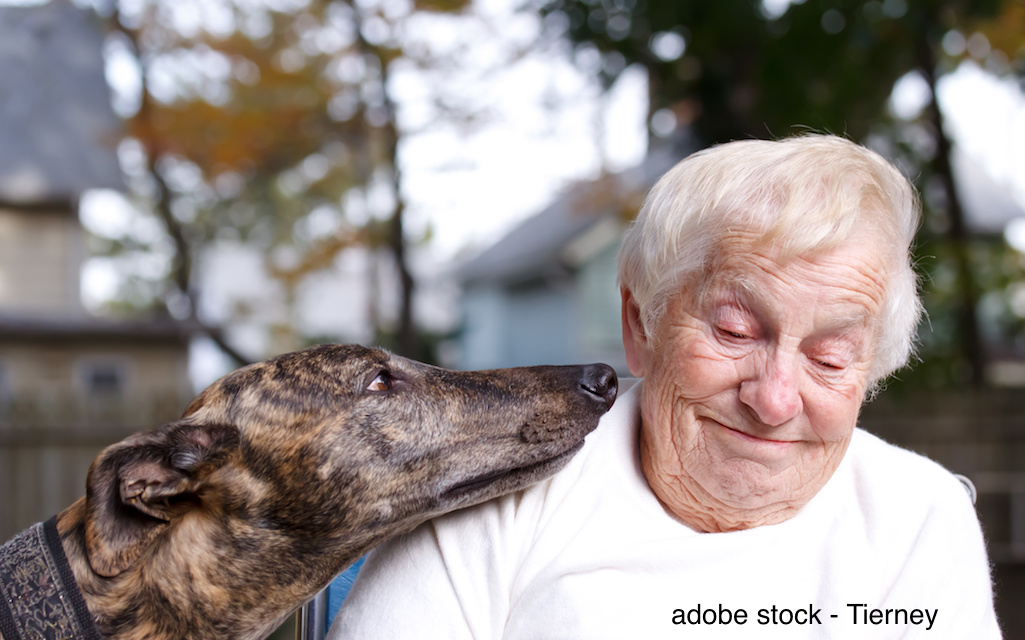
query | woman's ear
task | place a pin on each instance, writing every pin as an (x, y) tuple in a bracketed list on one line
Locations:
[(635, 340)]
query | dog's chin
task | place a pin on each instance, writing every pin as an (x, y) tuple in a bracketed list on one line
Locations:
[(490, 485)]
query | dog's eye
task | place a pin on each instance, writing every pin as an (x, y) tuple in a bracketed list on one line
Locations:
[(383, 382)]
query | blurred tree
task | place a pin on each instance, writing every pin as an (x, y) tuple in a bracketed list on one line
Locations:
[(271, 123), (745, 68)]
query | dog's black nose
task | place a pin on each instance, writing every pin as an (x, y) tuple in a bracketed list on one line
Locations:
[(600, 381)]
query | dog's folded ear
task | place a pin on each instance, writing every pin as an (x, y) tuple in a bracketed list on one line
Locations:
[(138, 486)]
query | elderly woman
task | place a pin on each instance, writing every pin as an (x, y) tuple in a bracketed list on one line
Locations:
[(767, 291)]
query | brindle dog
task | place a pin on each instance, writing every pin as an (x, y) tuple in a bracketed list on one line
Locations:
[(283, 473)]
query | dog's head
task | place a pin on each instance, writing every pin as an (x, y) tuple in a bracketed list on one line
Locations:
[(331, 449)]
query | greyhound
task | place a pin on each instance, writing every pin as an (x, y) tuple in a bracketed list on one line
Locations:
[(283, 473)]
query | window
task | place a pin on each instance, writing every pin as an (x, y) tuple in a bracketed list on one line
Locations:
[(5, 385), (6, 396), (103, 378)]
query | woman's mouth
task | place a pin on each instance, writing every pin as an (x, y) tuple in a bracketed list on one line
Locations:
[(747, 437)]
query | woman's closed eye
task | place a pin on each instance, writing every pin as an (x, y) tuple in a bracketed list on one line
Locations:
[(731, 333), (836, 358), (733, 321)]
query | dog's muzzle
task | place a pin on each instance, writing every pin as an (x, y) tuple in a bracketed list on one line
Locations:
[(600, 381), (597, 384)]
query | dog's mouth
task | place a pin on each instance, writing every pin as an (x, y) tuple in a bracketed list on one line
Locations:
[(508, 480)]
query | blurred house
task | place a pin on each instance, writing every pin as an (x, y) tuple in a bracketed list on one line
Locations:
[(69, 383), (546, 293)]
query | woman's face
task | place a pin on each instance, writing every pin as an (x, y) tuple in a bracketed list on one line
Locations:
[(753, 384)]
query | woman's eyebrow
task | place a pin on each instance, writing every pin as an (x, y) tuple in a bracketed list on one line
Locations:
[(853, 316), (728, 287), (734, 289)]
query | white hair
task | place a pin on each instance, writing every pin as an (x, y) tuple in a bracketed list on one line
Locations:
[(802, 195)]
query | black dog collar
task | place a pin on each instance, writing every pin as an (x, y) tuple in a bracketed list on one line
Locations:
[(39, 597)]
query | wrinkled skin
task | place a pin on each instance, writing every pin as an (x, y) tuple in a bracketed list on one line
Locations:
[(754, 379)]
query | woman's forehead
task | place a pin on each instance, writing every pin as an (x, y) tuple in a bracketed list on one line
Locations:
[(848, 280)]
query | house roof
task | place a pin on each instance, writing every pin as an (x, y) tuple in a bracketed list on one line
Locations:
[(58, 131), (533, 246), (95, 331), (537, 245)]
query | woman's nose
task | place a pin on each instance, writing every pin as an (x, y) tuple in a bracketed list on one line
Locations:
[(772, 391)]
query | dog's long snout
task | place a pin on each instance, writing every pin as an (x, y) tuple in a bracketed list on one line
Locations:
[(600, 381)]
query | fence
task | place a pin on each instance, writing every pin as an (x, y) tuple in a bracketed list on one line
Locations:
[(978, 433), (48, 441)]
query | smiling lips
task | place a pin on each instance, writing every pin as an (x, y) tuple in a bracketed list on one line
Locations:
[(755, 439)]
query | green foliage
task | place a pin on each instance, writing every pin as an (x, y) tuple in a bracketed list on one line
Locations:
[(822, 65)]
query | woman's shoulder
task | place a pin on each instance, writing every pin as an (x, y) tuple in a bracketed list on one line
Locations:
[(900, 473)]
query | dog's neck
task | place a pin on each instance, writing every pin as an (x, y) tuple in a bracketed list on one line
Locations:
[(183, 592)]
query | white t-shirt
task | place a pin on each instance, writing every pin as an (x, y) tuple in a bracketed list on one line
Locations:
[(889, 548)]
